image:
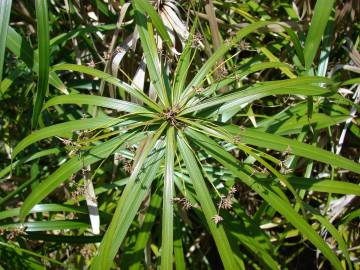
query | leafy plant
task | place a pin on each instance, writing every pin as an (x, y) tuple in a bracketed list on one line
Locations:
[(187, 152)]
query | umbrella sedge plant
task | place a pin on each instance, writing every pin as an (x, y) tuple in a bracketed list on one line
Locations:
[(187, 159)]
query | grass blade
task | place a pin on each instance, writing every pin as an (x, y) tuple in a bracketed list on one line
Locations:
[(63, 128), (323, 185), (44, 58), (218, 54), (334, 232), (38, 226), (182, 67), (145, 6), (180, 263), (132, 258), (49, 207), (5, 9), (298, 86), (318, 24), (275, 142), (241, 73), (18, 46)]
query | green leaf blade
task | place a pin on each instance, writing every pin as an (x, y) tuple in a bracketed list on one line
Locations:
[(168, 211), (110, 79), (5, 9), (208, 208), (146, 165), (63, 128), (66, 170), (318, 24), (44, 58), (280, 205)]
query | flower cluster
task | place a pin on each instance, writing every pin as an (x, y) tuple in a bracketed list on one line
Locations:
[(185, 203), (77, 192), (13, 233), (225, 203)]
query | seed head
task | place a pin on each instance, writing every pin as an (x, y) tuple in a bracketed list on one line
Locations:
[(185, 203), (222, 71), (237, 139), (196, 40), (226, 203), (127, 167), (91, 64), (217, 219)]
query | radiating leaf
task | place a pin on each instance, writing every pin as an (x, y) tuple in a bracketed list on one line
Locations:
[(218, 54), (151, 54), (37, 226), (63, 173), (145, 6), (110, 79), (63, 128), (298, 86), (207, 205), (130, 201), (132, 258), (168, 212), (266, 193), (278, 143), (105, 102)]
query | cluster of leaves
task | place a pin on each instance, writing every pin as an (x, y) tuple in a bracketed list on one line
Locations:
[(194, 134)]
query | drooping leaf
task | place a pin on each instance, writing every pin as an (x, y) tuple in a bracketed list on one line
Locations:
[(63, 173), (266, 193), (110, 79)]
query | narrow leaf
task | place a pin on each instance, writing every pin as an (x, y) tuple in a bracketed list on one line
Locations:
[(266, 193), (111, 103), (151, 54), (44, 58), (145, 6), (110, 79), (75, 164), (127, 207), (318, 24), (207, 205), (218, 54), (18, 46), (5, 9), (63, 128), (168, 211)]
